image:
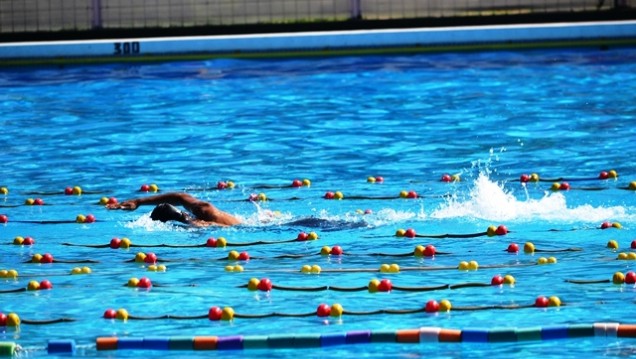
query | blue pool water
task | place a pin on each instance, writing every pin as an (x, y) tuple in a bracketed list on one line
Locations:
[(488, 117)]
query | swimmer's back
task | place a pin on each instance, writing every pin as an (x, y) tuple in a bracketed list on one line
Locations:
[(207, 212)]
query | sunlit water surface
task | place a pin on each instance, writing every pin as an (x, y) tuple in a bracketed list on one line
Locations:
[(486, 117)]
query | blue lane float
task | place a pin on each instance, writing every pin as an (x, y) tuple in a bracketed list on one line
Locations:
[(420, 335), (357, 337), (66, 346)]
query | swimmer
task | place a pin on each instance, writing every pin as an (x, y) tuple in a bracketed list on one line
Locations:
[(205, 214)]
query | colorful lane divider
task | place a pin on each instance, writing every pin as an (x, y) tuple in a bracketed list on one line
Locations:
[(337, 251), (374, 285), (562, 184), (558, 184), (220, 242), (262, 197), (228, 184), (491, 231), (617, 278), (418, 335), (336, 310), (87, 219), (266, 285), (215, 313), (609, 331), (13, 320), (47, 258), (12, 274), (80, 218), (530, 248), (534, 177), (297, 183), (337, 195), (420, 251), (152, 259), (234, 256)]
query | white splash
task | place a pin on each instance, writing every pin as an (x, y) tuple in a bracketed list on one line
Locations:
[(386, 216), (146, 223), (265, 217), (489, 200)]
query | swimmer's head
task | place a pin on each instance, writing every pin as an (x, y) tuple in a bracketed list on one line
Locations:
[(166, 212)]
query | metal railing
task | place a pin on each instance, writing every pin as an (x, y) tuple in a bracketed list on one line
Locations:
[(22, 16)]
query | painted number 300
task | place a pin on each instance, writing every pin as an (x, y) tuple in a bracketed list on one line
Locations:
[(126, 48)]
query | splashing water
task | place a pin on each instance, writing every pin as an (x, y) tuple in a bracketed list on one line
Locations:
[(145, 222), (265, 217), (486, 200), (489, 200)]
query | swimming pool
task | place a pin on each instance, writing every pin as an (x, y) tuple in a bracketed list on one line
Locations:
[(488, 117)]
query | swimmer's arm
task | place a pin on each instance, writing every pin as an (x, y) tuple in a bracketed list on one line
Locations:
[(202, 210), (173, 198)]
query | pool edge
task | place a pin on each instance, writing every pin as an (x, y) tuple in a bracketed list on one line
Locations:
[(600, 34)]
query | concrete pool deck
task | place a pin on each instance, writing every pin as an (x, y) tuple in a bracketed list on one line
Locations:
[(322, 43)]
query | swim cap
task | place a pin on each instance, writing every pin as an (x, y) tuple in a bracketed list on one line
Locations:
[(166, 212)]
